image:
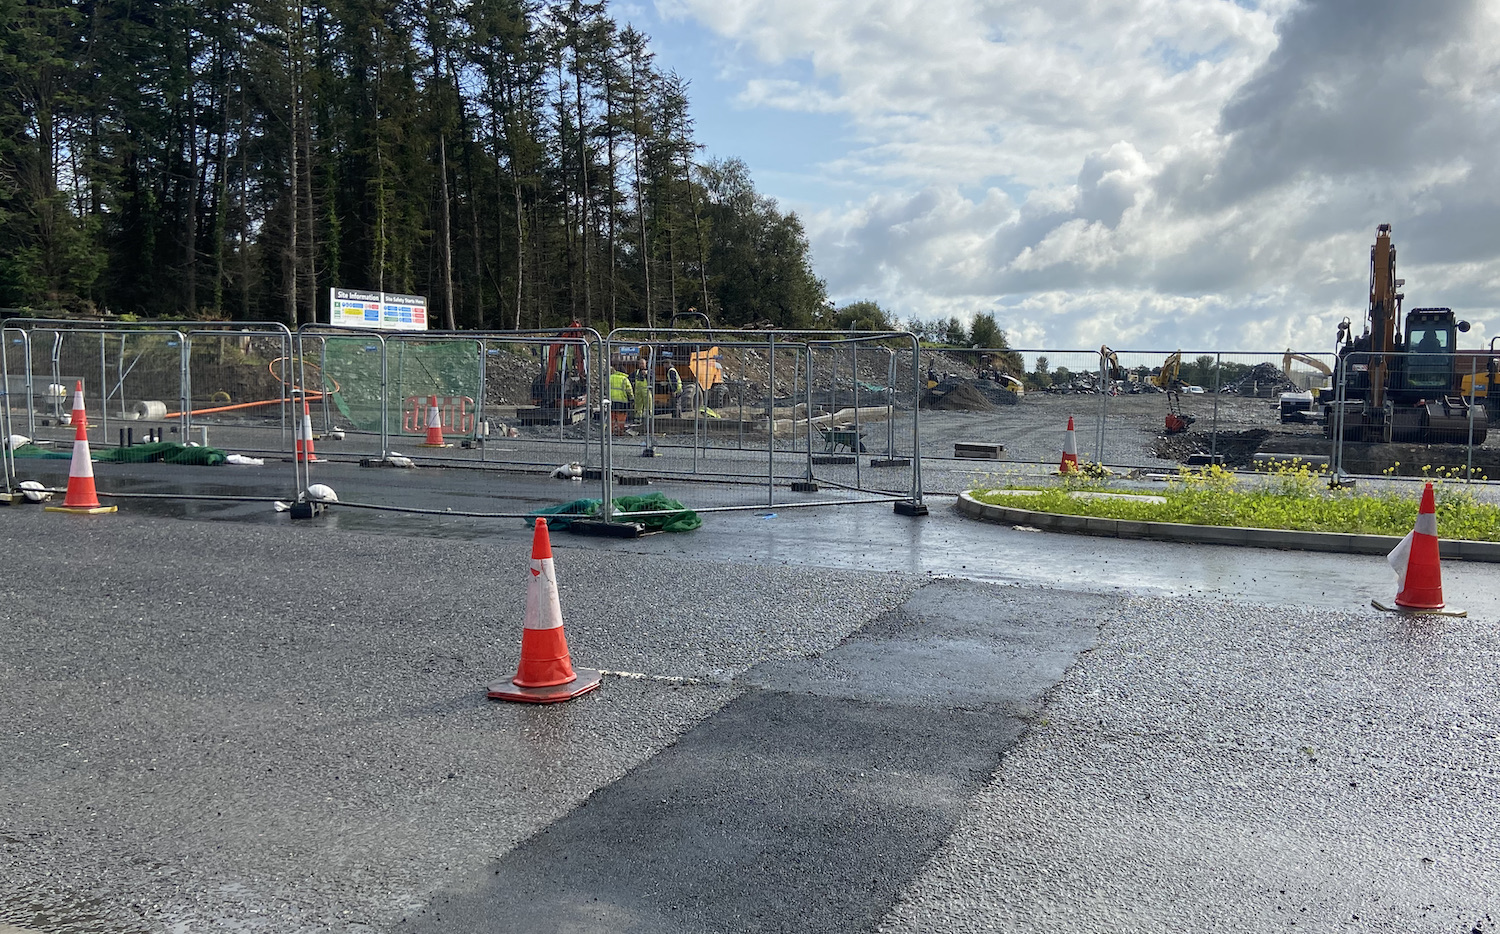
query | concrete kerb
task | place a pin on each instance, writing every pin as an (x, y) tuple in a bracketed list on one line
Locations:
[(1336, 542)]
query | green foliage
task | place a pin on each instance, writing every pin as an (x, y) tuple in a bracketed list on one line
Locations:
[(985, 332), (1292, 496), (237, 159), (758, 255), (862, 316)]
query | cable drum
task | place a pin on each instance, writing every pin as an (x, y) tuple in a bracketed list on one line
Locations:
[(149, 410)]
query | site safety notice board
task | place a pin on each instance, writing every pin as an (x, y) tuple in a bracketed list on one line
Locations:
[(387, 311)]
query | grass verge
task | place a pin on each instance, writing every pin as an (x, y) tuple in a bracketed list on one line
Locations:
[(1291, 497)]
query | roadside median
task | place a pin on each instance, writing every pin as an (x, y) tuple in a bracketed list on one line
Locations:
[(1338, 542)]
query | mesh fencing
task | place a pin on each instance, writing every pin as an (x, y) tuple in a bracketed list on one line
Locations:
[(769, 420), (723, 419)]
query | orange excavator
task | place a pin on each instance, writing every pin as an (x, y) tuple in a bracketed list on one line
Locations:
[(561, 391)]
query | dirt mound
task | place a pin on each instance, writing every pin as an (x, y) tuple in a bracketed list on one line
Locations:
[(962, 397), (1238, 448)]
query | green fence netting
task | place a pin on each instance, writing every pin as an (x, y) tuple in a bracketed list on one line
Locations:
[(414, 370)]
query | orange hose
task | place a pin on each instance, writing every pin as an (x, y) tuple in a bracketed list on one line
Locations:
[(310, 396)]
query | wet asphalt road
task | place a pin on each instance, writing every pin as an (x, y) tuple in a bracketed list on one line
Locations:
[(829, 720)]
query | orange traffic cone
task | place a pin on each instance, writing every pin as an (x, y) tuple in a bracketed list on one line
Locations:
[(1069, 463), (546, 674), (434, 426), (305, 450), (1418, 566), (82, 497)]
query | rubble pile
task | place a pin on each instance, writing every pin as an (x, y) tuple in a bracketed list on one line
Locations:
[(1264, 381), (956, 395), (995, 392), (1238, 448)]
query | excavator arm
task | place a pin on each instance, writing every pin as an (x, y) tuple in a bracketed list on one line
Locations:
[(1168, 377), (1289, 358)]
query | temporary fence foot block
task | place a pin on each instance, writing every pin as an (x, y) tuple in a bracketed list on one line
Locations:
[(1410, 611), (891, 462), (587, 680), (804, 486), (978, 450), (84, 510), (632, 481), (607, 529), (909, 508), (648, 452), (306, 510), (834, 459)]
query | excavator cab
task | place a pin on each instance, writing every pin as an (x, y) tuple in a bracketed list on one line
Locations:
[(560, 392), (1431, 340)]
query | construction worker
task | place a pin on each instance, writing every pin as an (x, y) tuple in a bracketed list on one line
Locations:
[(642, 391), (674, 386), (619, 398)]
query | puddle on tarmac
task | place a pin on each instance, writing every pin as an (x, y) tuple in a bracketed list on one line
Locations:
[(24, 915)]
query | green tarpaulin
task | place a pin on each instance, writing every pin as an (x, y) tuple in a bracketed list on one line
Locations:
[(674, 517), (165, 453)]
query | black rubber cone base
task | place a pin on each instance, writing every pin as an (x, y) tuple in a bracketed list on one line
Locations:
[(1413, 611), (587, 679)]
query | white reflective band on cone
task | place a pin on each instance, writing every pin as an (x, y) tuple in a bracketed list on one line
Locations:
[(546, 608)]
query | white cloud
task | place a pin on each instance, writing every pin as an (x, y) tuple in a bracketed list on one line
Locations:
[(1185, 172)]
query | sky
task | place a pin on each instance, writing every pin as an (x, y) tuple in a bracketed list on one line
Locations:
[(1147, 174)]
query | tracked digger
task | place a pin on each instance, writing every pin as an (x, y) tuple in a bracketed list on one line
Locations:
[(1169, 380), (1402, 388), (560, 392)]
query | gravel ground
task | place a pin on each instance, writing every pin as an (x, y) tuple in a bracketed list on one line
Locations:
[(1218, 766)]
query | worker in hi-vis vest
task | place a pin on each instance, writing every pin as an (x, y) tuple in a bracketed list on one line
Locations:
[(642, 391), (674, 387), (619, 397)]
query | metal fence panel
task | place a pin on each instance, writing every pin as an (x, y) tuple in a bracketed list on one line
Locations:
[(763, 419)]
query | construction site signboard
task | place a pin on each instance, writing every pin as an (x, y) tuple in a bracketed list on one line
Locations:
[(386, 311)]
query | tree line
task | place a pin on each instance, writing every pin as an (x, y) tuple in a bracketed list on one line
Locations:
[(521, 163)]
